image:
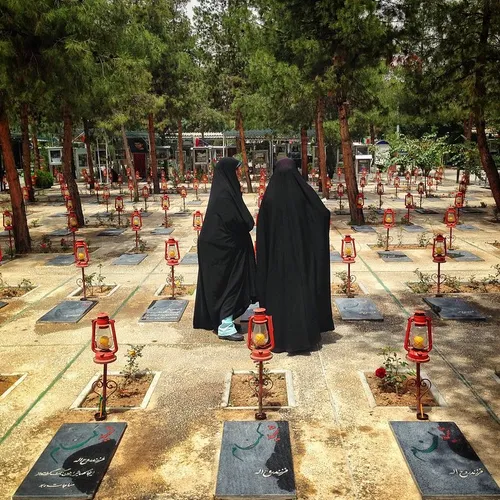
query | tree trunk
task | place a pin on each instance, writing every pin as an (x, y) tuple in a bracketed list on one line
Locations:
[(468, 127), (303, 152), (372, 141), (180, 151), (22, 238), (244, 158), (67, 154), (25, 134), (479, 98), (152, 153), (90, 158), (320, 136), (357, 216), (36, 149), (130, 164)]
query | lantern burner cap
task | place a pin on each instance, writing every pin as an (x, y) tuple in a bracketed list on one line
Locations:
[(420, 318), (102, 320)]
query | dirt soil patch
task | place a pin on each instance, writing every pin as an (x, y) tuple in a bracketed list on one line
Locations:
[(96, 291), (126, 395), (463, 288), (406, 396), (242, 391), (7, 381), (338, 289), (180, 290), (9, 292)]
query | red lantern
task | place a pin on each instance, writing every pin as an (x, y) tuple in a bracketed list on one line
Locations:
[(348, 249), (119, 204), (409, 200), (380, 189), (136, 221), (362, 182), (407, 175), (389, 218), (430, 181), (195, 185), (418, 344), (105, 193), (145, 192), (137, 175), (439, 249), (81, 254), (397, 182), (421, 188), (260, 338), (197, 221), (459, 199), (65, 191), (360, 200), (165, 202), (262, 190), (378, 177), (26, 193), (183, 192), (164, 185), (340, 190), (7, 221), (462, 187), (72, 222), (450, 217), (97, 186), (69, 204), (172, 254), (104, 342), (130, 185), (120, 180)]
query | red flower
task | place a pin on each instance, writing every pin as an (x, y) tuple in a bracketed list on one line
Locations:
[(380, 372)]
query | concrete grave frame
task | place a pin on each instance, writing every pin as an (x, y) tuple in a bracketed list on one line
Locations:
[(164, 285), (20, 296), (81, 397), (22, 376), (78, 290), (289, 390), (441, 403)]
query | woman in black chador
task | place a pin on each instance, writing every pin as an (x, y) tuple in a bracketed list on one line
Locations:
[(293, 260), (226, 275)]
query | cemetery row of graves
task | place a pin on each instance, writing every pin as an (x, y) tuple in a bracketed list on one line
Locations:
[(418, 235)]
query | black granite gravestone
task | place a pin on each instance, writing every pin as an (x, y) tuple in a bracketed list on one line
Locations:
[(456, 309), (111, 232), (466, 227), (163, 230), (358, 309), (3, 304), (60, 232), (74, 462), (341, 212), (60, 214), (100, 214), (187, 213), (256, 461), (394, 256), (472, 210), (69, 311), (335, 256), (194, 202), (463, 256), (426, 211), (61, 260), (249, 312), (413, 228), (129, 259), (442, 462), (145, 214), (165, 310), (363, 229), (190, 258)]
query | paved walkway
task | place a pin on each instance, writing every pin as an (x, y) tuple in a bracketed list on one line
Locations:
[(343, 447)]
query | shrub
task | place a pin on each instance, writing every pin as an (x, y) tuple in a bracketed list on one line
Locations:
[(44, 180)]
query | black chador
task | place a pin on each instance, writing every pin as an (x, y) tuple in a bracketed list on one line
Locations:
[(293, 260), (226, 275)]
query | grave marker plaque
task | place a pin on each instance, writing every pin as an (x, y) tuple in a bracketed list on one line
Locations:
[(413, 228), (256, 461), (111, 232), (180, 214), (129, 259), (394, 256), (74, 462), (60, 232), (190, 258), (463, 256), (455, 309), (426, 211), (69, 311), (194, 202), (358, 309), (162, 230), (363, 229), (3, 304), (442, 462), (60, 214), (466, 227), (61, 260), (165, 310)]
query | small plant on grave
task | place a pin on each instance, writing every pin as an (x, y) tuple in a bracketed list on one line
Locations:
[(179, 283), (143, 245), (482, 204), (35, 223), (95, 280), (423, 239), (494, 279), (64, 244), (3, 283), (381, 240), (393, 374), (45, 245), (372, 216), (132, 372), (399, 236), (25, 284), (453, 283), (342, 275), (111, 216), (474, 283), (495, 213), (424, 283), (404, 220)]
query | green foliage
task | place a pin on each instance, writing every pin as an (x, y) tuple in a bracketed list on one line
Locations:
[(95, 280), (423, 239), (131, 371), (44, 180), (372, 216), (394, 378), (424, 284)]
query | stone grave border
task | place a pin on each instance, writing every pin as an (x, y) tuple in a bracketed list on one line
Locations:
[(74, 293), (164, 285), (289, 391), (23, 375), (441, 402), (20, 296), (86, 390), (449, 295)]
